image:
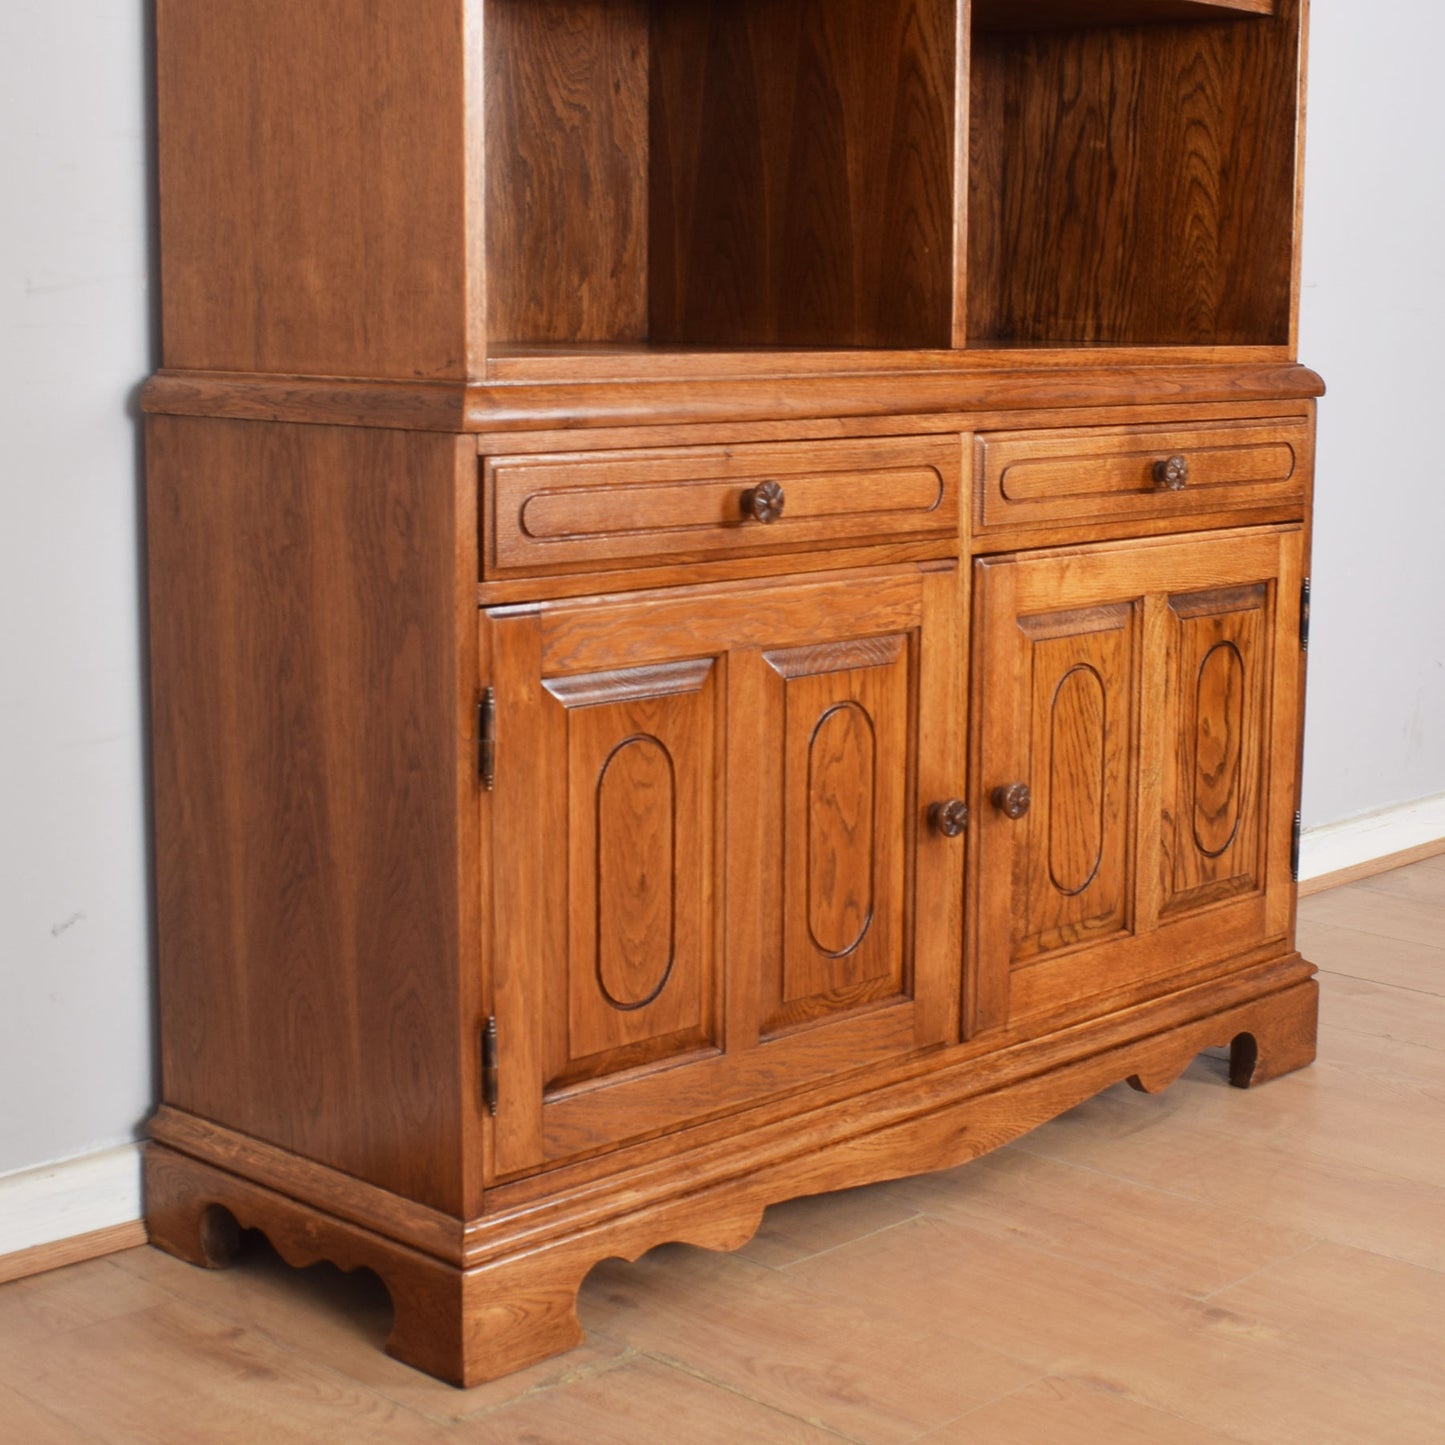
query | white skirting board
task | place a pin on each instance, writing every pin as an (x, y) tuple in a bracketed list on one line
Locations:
[(73, 1197), (1333, 847)]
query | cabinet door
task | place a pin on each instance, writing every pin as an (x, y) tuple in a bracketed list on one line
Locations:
[(1146, 697), (708, 841)]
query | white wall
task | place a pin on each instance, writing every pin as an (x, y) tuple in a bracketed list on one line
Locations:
[(1372, 316), (75, 973)]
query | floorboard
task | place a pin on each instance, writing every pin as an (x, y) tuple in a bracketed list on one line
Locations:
[(1201, 1267)]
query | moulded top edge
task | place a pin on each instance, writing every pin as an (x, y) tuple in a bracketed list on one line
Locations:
[(1041, 14)]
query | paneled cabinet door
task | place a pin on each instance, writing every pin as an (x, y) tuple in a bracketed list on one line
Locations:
[(711, 873), (1138, 711)]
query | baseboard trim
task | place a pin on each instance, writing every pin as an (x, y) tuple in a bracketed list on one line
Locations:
[(73, 1210), (75, 1250), (1373, 843)]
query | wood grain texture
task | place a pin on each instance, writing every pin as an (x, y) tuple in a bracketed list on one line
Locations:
[(748, 398), (803, 173), (1057, 478), (567, 146), (314, 188), (705, 483), (74, 1249), (1376, 866), (312, 662), (1188, 768), (553, 513), (516, 1304), (1134, 184), (724, 690), (1051, 14)]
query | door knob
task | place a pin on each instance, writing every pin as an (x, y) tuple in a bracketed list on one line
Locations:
[(949, 818), (764, 503), (1172, 474), (1012, 799)]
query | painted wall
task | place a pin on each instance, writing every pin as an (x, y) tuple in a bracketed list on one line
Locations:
[(75, 972), (1371, 317)]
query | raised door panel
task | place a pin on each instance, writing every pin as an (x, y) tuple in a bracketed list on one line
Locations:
[(1147, 695), (707, 843), (1218, 662), (835, 881), (639, 971), (1071, 861)]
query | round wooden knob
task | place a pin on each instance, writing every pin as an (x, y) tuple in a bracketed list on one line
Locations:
[(1013, 800), (764, 503), (1172, 473), (949, 818)]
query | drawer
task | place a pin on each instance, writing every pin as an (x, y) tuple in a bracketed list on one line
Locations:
[(583, 511), (1104, 473)]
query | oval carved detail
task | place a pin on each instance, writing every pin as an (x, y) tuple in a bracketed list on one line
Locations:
[(1076, 781), (842, 778), (1218, 749), (636, 873)]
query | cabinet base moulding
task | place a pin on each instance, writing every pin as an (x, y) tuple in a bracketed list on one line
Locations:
[(506, 1296)]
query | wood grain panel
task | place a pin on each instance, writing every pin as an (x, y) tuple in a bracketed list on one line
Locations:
[(1196, 777), (1048, 14), (567, 158), (1221, 663), (1134, 184), (312, 665), (1051, 478), (757, 938), (1071, 858), (564, 510), (313, 188), (639, 973), (839, 855), (802, 172)]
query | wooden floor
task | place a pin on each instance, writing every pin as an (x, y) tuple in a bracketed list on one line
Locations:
[(1200, 1267)]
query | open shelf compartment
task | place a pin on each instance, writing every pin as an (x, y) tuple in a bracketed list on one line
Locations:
[(896, 175)]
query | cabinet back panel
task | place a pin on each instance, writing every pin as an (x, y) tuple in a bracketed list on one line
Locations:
[(802, 172), (566, 187), (1134, 185)]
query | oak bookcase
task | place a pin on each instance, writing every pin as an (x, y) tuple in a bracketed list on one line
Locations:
[(728, 602)]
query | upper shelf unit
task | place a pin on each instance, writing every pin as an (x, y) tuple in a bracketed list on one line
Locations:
[(412, 187)]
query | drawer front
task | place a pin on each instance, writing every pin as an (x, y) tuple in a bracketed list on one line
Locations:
[(1107, 473), (578, 512)]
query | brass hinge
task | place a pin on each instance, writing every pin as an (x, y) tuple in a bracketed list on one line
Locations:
[(489, 1066), (1294, 848), (1304, 615), (487, 739)]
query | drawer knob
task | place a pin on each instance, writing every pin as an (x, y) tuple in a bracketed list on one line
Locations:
[(1012, 800), (949, 818), (764, 503), (1172, 473)]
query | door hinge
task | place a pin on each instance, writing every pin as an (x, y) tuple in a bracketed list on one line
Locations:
[(487, 739), (1294, 847), (489, 1065), (1304, 615)]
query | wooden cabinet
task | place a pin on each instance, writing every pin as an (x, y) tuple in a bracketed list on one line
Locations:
[(1136, 764), (726, 588), (713, 875)]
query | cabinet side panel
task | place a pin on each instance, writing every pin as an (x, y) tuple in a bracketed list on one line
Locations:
[(309, 640), (312, 187)]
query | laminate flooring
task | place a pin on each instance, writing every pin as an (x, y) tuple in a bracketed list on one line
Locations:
[(1201, 1267)]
